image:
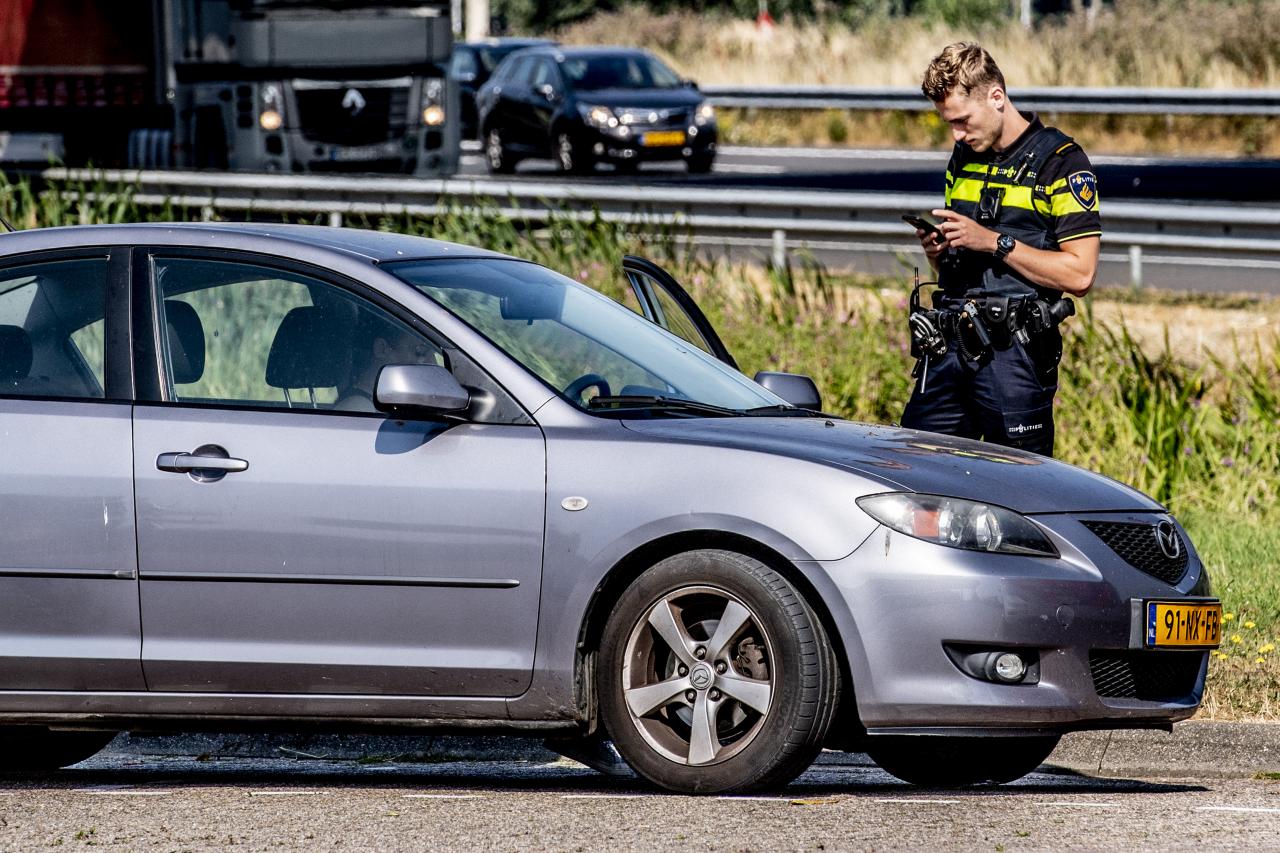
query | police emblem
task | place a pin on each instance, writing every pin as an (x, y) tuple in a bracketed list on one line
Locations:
[(1084, 186)]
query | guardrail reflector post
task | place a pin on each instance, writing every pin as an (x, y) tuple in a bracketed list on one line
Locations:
[(779, 249), (335, 219), (1135, 266)]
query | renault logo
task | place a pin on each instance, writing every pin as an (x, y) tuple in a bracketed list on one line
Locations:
[(353, 102), (1167, 537)]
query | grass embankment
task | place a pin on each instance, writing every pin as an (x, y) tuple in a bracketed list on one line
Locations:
[(1193, 419), (1145, 43)]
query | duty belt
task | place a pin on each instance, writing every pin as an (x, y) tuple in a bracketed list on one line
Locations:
[(984, 322)]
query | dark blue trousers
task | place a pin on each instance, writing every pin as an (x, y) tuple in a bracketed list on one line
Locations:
[(1005, 398)]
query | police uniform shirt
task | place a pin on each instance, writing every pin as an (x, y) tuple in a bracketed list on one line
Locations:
[(1049, 196)]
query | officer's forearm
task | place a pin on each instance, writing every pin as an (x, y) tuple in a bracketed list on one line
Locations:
[(1071, 269)]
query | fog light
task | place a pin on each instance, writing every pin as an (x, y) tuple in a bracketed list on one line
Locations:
[(270, 120), (1009, 667)]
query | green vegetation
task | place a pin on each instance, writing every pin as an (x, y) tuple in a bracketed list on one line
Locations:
[(1203, 438)]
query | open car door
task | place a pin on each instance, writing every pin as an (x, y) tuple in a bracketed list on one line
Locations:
[(663, 301)]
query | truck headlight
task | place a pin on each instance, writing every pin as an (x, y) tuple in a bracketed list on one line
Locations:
[(270, 120), (433, 116), (958, 523)]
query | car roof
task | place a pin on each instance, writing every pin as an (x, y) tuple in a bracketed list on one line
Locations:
[(587, 50), (365, 244), (508, 42)]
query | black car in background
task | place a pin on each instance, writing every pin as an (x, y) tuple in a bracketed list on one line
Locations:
[(472, 64), (587, 105)]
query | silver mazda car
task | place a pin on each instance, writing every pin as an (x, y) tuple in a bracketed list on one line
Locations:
[(300, 477)]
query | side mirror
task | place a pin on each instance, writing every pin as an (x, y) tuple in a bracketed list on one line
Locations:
[(419, 389), (800, 391)]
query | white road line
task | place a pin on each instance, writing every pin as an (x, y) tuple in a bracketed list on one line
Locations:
[(442, 796), (1088, 805), (1236, 809), (603, 796), (916, 800), (759, 799), (286, 793), (129, 793), (749, 170)]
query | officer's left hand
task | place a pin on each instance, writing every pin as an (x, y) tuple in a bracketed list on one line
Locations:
[(962, 232)]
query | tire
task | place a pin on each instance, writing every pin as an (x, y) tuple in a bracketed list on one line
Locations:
[(700, 164), (33, 748), (569, 157), (496, 155), (954, 762), (767, 695)]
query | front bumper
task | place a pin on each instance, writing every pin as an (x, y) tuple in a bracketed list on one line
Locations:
[(909, 601), (608, 145)]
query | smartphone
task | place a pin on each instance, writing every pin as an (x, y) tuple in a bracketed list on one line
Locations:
[(925, 225)]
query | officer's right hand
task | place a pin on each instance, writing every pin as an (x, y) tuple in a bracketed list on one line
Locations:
[(932, 248)]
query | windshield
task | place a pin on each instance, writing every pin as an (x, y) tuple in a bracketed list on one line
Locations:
[(582, 344), (623, 71)]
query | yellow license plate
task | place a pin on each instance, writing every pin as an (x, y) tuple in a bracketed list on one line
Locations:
[(662, 137), (1182, 625)]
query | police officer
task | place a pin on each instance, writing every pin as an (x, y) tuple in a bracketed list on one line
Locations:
[(1019, 231)]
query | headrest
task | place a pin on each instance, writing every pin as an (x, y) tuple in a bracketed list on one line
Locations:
[(186, 341), (15, 354), (308, 350)]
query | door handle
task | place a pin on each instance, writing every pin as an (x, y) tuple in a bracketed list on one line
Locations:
[(206, 463), (185, 462)]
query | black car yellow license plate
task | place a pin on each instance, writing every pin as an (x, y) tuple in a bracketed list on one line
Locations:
[(1184, 625), (658, 138)]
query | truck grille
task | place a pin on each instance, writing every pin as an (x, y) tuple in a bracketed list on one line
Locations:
[(1149, 676), (1138, 546), (383, 116)]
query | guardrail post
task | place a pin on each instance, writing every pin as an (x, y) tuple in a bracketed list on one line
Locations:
[(206, 213), (335, 219), (1135, 266), (779, 249)]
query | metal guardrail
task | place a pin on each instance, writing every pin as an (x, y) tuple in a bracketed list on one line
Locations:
[(779, 220), (1117, 101)]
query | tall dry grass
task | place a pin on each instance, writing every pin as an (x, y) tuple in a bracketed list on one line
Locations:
[(1154, 43)]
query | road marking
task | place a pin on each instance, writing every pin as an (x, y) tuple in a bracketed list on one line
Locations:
[(1088, 805), (1236, 809), (749, 170), (603, 796), (285, 793), (916, 800), (125, 792), (442, 796), (758, 799)]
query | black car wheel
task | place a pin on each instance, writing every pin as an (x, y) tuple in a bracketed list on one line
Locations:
[(700, 164), (32, 748), (569, 157), (496, 154), (716, 676), (952, 762)]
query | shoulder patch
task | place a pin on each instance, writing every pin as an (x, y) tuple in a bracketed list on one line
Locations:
[(1084, 186)]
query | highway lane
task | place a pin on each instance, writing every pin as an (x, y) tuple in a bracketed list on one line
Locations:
[(131, 802), (1183, 181)]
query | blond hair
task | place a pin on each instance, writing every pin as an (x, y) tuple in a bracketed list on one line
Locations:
[(963, 67)]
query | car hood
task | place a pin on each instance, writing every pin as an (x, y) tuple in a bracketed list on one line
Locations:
[(662, 99), (909, 460)]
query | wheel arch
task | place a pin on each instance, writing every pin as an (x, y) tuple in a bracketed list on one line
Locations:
[(630, 567)]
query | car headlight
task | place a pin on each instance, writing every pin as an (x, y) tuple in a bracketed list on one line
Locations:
[(706, 113), (958, 523), (598, 116)]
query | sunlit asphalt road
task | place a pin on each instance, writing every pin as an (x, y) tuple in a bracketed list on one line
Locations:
[(187, 804)]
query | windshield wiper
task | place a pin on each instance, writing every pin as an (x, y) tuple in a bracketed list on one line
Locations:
[(656, 403), (785, 410)]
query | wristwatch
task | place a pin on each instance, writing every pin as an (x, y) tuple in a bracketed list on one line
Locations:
[(1004, 245)]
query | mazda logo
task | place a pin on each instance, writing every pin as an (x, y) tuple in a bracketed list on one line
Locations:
[(701, 677), (1167, 538)]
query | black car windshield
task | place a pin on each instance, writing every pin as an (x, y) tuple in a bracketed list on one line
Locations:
[(619, 71), (581, 343)]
